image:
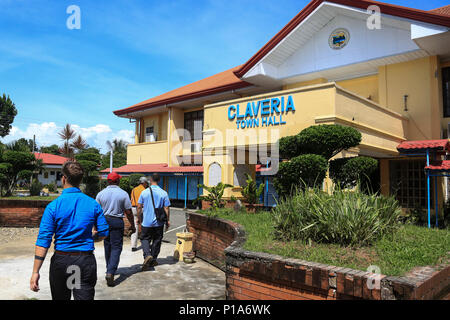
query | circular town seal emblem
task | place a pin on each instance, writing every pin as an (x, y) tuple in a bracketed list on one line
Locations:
[(339, 38)]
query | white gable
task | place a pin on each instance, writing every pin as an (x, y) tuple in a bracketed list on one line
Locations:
[(305, 53)]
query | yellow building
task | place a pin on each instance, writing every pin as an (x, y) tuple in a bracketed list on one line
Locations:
[(384, 70)]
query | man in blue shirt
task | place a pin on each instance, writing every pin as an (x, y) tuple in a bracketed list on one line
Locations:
[(115, 203), (71, 218), (152, 228)]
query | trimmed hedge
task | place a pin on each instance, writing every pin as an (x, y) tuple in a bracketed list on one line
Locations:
[(305, 170)]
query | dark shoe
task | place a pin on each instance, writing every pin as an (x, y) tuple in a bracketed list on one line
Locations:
[(154, 263), (134, 249), (147, 261), (109, 280)]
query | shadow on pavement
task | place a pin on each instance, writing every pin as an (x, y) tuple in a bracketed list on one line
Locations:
[(127, 272)]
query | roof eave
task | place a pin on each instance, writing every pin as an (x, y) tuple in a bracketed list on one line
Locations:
[(188, 96), (403, 12)]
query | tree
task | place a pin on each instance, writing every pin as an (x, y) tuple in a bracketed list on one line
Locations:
[(90, 160), (79, 144), (309, 152), (15, 166), (119, 155), (306, 170), (67, 134), (349, 172), (53, 149), (326, 140), (8, 112), (22, 144)]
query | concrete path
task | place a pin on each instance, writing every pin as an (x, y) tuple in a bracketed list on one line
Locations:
[(169, 280)]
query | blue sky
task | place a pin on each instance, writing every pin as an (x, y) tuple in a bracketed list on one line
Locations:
[(126, 51)]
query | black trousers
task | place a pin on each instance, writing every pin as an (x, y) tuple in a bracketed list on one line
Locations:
[(113, 244), (73, 274), (155, 236)]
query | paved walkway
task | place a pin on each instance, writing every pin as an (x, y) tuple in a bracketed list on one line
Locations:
[(169, 280)]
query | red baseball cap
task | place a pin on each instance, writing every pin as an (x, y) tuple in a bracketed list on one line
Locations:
[(113, 176)]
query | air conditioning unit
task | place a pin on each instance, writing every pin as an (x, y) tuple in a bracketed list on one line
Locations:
[(196, 147)]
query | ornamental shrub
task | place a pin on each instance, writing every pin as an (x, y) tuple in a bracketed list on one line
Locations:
[(326, 140), (125, 185), (344, 217), (306, 170), (35, 188), (348, 172)]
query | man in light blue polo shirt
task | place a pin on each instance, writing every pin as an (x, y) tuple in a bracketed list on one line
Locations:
[(152, 228), (115, 203)]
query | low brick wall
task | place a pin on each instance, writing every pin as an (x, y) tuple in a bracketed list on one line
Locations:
[(21, 213), (212, 236), (256, 275)]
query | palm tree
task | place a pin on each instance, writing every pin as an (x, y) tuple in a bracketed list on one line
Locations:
[(119, 146), (79, 143), (67, 134)]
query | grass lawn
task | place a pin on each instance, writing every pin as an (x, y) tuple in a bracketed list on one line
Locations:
[(395, 254), (50, 198)]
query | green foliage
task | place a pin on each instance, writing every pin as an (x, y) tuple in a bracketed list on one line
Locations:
[(21, 144), (251, 192), (326, 140), (134, 179), (92, 185), (306, 170), (119, 155), (125, 185), (14, 166), (343, 217), (348, 172), (103, 184), (90, 160), (35, 188), (53, 149), (397, 253), (51, 187), (8, 112), (215, 195)]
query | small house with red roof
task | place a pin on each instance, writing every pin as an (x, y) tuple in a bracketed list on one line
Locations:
[(52, 165)]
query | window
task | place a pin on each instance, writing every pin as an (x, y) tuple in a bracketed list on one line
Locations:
[(52, 173), (214, 174), (408, 183), (150, 135), (193, 123), (446, 90), (46, 175)]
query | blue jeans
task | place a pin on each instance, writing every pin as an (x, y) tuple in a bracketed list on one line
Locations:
[(113, 244)]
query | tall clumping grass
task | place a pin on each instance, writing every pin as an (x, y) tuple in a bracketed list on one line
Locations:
[(348, 218)]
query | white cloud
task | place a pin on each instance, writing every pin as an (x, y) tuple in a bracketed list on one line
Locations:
[(47, 134)]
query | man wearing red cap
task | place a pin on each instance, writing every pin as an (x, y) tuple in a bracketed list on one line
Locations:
[(115, 203)]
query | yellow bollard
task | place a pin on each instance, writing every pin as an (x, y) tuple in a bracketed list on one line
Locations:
[(184, 244)]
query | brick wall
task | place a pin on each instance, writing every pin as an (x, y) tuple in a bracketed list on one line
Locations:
[(256, 275), (21, 213), (211, 237)]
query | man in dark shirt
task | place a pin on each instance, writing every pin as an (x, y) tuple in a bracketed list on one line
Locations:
[(71, 218)]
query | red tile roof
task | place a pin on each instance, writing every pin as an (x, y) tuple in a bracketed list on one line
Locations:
[(217, 83), (422, 145), (443, 165), (48, 158), (160, 168), (445, 10)]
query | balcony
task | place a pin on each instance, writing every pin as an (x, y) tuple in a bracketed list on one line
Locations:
[(148, 152)]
